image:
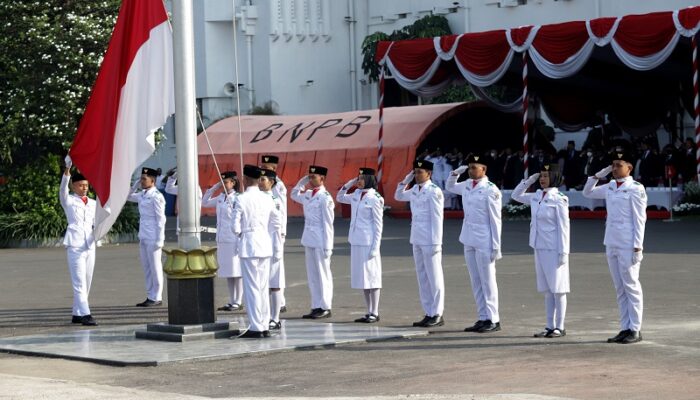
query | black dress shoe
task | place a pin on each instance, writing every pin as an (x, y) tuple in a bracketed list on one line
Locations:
[(76, 319), (321, 313), (230, 307), (266, 334), (372, 318), (283, 309), (149, 303), (475, 328), (275, 325), (435, 320), (363, 319), (632, 337), (617, 338), (422, 322), (311, 314), (87, 320), (253, 335), (556, 332), (489, 326)]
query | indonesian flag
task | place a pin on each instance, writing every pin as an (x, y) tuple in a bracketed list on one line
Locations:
[(131, 99)]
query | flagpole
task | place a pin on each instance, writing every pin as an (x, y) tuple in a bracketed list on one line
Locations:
[(186, 126)]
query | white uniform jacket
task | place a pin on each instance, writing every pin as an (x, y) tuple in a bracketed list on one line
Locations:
[(627, 211), (366, 222), (278, 231), (254, 216), (427, 204), (318, 217), (549, 226), (80, 216), (481, 227), (224, 214), (280, 192), (152, 215)]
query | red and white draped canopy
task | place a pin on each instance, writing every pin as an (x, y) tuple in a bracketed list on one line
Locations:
[(557, 52), (641, 42)]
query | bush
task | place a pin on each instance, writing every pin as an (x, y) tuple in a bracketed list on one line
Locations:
[(516, 210), (692, 193), (30, 209)]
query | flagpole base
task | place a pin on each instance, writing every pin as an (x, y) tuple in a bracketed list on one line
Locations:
[(191, 285)]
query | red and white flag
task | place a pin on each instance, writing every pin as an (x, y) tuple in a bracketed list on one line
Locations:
[(131, 99)]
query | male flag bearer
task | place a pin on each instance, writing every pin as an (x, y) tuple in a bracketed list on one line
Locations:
[(626, 204), (481, 237), (317, 239), (427, 201), (79, 241), (254, 216)]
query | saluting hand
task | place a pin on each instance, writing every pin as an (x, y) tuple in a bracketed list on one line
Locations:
[(350, 183), (603, 172), (69, 161), (408, 178), (303, 181), (460, 170), (533, 178)]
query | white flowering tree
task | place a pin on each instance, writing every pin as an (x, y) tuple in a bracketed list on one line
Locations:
[(50, 52)]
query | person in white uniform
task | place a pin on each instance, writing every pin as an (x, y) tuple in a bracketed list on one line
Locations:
[(229, 263), (365, 237), (151, 234), (79, 240), (626, 204), (254, 217), (279, 190), (317, 238), (481, 237), (277, 279), (549, 237), (427, 206)]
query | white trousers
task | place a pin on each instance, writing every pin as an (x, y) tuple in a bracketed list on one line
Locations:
[(625, 277), (152, 265), (482, 273), (431, 283), (81, 264), (256, 283), (318, 273)]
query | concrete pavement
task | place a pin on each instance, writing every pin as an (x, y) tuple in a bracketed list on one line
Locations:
[(35, 297)]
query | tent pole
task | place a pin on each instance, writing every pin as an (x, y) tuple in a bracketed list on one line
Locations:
[(525, 129), (380, 139)]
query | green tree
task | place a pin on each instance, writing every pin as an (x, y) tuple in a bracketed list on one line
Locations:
[(51, 52)]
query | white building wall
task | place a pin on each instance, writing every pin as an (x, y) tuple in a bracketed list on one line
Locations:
[(287, 53)]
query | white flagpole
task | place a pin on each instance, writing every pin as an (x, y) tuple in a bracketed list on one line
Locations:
[(186, 126)]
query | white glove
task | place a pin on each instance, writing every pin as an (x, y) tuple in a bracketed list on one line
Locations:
[(637, 257), (408, 178), (533, 178), (460, 170), (69, 161), (603, 172), (303, 181), (495, 255), (276, 258), (217, 185), (373, 253), (327, 253), (563, 259), (136, 185), (174, 175), (350, 183), (436, 249)]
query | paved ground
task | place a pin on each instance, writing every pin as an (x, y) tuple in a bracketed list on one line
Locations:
[(35, 297)]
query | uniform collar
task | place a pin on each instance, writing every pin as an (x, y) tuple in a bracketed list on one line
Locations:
[(625, 182), (252, 188), (479, 182)]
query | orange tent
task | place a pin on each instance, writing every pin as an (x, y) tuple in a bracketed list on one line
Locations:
[(343, 142)]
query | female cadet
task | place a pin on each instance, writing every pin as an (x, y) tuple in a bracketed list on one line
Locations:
[(365, 237), (549, 236), (229, 263), (267, 183), (151, 234)]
